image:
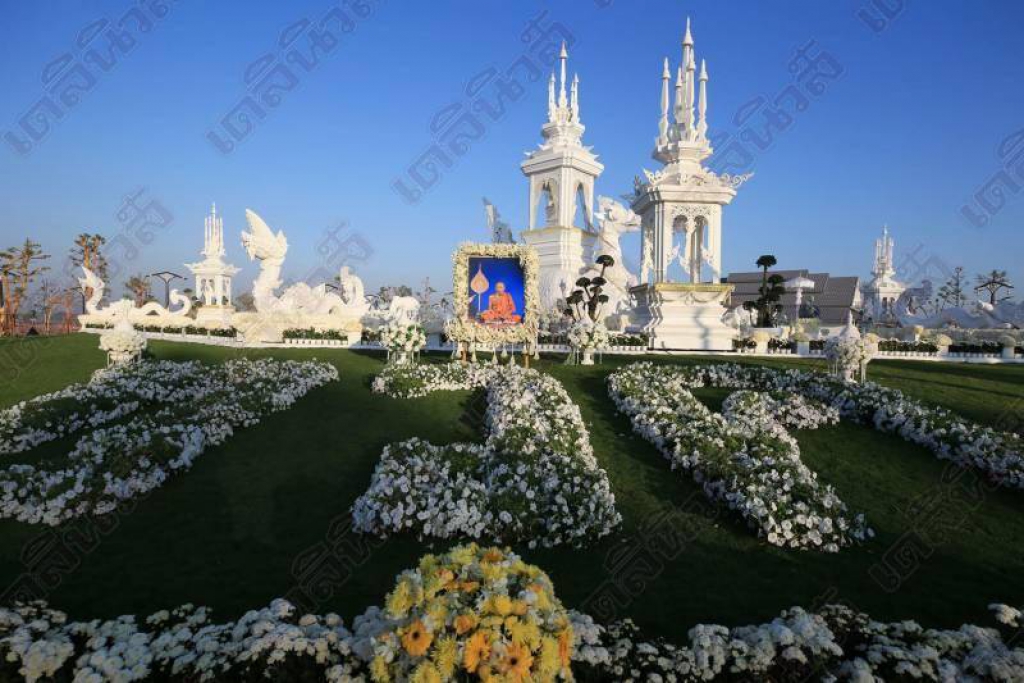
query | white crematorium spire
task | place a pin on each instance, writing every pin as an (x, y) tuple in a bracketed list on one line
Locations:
[(213, 275), (684, 125)]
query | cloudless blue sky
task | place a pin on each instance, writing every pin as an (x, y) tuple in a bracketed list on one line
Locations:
[(905, 136)]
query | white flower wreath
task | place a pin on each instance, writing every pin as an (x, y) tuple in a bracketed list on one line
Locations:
[(461, 328)]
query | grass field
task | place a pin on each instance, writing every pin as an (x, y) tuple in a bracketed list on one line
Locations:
[(226, 533)]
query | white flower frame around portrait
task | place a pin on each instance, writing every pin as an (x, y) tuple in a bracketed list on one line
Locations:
[(462, 329)]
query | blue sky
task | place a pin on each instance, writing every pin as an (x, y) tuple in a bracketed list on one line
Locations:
[(906, 135)]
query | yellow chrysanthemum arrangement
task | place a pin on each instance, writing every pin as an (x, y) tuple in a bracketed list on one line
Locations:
[(473, 612)]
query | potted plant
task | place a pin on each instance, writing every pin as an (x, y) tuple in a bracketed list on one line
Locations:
[(803, 343)]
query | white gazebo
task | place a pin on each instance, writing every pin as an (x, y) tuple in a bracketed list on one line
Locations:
[(213, 274)]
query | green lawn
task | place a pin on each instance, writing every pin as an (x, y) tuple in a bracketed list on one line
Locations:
[(226, 533)]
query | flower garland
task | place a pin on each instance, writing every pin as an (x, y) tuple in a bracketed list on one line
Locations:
[(462, 329), (121, 461), (743, 457), (484, 614), (534, 479)]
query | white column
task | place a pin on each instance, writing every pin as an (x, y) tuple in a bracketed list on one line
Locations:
[(663, 243), (715, 246)]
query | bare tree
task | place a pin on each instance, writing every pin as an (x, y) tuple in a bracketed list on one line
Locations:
[(140, 289), (19, 266), (49, 298), (993, 282)]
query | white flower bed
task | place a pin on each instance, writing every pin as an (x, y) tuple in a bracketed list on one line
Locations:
[(652, 395), (194, 407), (997, 455), (534, 479), (743, 457), (274, 643), (835, 644), (111, 395)]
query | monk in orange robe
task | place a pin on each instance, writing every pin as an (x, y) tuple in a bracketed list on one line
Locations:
[(501, 308)]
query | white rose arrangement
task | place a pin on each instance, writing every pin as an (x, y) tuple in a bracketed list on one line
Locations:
[(585, 334), (122, 345), (848, 356), (402, 340)]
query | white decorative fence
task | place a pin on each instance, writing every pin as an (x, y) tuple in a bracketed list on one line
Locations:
[(615, 350)]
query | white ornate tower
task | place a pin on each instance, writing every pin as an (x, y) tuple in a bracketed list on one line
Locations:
[(561, 174), (681, 219), (681, 205), (881, 293), (213, 275)]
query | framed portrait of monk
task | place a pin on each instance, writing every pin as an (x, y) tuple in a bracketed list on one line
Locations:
[(495, 288)]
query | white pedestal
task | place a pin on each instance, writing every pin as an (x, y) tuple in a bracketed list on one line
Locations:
[(216, 315), (683, 316)]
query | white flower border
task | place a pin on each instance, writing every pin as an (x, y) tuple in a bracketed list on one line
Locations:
[(743, 457), (192, 407), (462, 329), (275, 643), (534, 479)]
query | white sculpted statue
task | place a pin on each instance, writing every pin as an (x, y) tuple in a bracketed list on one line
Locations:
[(351, 289), (614, 220), (262, 245), (93, 287), (501, 233), (269, 249)]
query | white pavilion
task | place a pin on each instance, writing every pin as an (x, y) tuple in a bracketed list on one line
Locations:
[(213, 274)]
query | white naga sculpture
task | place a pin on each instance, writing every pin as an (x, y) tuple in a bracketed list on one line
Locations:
[(261, 244), (269, 249), (125, 309), (300, 305)]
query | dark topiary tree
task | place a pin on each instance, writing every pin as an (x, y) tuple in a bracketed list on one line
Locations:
[(588, 297)]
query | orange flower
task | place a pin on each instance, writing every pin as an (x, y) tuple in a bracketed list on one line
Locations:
[(564, 645), (517, 662), (477, 650), (464, 622), (470, 586), (493, 555), (416, 639)]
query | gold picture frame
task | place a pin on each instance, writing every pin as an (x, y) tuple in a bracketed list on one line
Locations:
[(463, 328)]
